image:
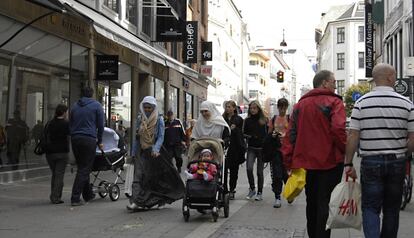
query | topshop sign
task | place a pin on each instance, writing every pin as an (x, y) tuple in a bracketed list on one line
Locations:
[(190, 43)]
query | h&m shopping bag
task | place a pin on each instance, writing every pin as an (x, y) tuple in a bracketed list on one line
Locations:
[(295, 184), (129, 177), (345, 206)]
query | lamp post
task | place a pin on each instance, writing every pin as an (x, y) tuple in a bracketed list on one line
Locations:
[(283, 42)]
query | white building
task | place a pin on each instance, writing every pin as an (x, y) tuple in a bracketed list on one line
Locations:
[(340, 44), (227, 31)]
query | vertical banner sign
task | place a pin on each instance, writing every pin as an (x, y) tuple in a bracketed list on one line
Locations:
[(107, 67), (207, 51), (169, 29), (369, 40), (190, 43)]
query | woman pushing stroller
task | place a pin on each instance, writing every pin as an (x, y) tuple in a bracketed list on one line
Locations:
[(156, 182)]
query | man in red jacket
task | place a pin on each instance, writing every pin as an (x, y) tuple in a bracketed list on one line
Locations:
[(315, 141)]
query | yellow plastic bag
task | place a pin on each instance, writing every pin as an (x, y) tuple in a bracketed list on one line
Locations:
[(295, 184)]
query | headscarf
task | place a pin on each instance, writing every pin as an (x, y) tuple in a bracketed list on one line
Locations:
[(205, 128), (148, 123)]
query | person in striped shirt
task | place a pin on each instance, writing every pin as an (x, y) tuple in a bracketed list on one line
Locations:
[(382, 121)]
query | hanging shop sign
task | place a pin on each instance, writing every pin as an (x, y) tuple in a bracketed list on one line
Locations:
[(190, 43), (206, 70), (369, 40), (107, 67), (170, 29), (207, 51), (402, 87)]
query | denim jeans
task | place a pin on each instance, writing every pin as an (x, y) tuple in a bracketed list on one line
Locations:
[(382, 179), (252, 154), (279, 175)]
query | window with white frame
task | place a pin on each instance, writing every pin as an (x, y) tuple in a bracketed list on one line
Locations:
[(131, 11), (340, 87), (340, 35), (146, 17), (361, 60), (112, 4), (340, 61), (361, 34)]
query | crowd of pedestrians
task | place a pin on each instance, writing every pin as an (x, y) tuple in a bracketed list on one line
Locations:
[(312, 137)]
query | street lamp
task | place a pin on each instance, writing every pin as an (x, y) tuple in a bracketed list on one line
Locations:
[(283, 42)]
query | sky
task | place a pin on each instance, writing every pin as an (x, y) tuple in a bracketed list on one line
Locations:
[(266, 20)]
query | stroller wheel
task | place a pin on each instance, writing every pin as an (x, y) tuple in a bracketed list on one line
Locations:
[(186, 211), (114, 192), (226, 205), (103, 189), (215, 214)]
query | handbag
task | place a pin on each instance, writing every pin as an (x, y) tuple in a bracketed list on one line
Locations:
[(41, 146), (345, 206), (129, 177), (295, 184)]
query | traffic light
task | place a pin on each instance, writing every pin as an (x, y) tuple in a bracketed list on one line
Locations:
[(280, 76)]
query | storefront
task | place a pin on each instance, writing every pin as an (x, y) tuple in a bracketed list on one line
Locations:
[(49, 62)]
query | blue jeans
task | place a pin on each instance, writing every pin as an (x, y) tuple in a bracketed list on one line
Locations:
[(382, 179)]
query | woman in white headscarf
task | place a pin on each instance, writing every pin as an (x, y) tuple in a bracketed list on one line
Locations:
[(156, 182), (210, 123)]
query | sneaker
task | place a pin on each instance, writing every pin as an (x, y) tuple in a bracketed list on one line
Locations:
[(57, 202), (134, 207), (161, 206), (76, 204), (251, 194), (231, 195), (277, 203), (291, 201), (259, 197)]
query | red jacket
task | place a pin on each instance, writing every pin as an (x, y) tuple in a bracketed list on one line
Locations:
[(316, 136)]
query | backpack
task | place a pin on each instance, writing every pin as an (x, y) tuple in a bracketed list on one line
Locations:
[(41, 146)]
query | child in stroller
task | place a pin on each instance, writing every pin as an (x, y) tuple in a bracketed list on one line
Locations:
[(203, 169), (205, 189), (111, 157)]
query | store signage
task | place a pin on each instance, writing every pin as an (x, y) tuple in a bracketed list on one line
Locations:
[(356, 96), (369, 40), (409, 66), (169, 29), (107, 67), (401, 87), (186, 83), (206, 70), (207, 51), (190, 43)]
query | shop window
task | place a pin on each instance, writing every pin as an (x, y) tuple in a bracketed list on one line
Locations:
[(112, 4), (159, 94), (340, 35), (340, 63), (131, 12), (174, 99), (188, 106), (4, 92)]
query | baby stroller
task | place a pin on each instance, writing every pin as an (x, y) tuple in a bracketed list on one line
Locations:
[(202, 194), (111, 157)]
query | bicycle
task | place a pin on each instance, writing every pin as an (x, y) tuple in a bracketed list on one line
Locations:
[(407, 185)]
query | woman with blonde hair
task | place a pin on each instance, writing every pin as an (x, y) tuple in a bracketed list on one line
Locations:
[(255, 130)]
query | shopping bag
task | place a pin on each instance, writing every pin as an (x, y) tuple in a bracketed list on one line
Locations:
[(295, 184), (345, 206), (129, 177)]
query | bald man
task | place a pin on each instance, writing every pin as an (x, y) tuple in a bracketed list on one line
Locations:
[(381, 122)]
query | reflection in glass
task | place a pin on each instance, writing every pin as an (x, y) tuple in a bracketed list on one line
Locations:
[(173, 98)]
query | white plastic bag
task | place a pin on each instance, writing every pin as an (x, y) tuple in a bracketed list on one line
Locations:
[(129, 177), (345, 206)]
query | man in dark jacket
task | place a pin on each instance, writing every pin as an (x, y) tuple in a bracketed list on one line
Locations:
[(315, 141), (86, 128), (174, 139), (17, 135)]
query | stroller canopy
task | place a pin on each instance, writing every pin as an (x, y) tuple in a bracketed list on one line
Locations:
[(110, 141), (214, 144)]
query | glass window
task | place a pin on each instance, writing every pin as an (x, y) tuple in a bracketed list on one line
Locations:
[(146, 17), (173, 97), (340, 87), (112, 4), (361, 34), (361, 60), (4, 92), (131, 12), (188, 106), (159, 94), (340, 35), (340, 61)]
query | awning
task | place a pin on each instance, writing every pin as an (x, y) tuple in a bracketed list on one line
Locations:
[(120, 35)]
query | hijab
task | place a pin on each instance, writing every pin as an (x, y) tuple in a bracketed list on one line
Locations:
[(206, 128), (148, 123)]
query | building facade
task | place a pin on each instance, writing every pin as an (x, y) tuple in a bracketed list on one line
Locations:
[(341, 45), (49, 61)]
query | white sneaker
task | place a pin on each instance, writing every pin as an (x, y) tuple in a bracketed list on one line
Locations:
[(259, 197), (251, 194), (278, 203), (160, 206)]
